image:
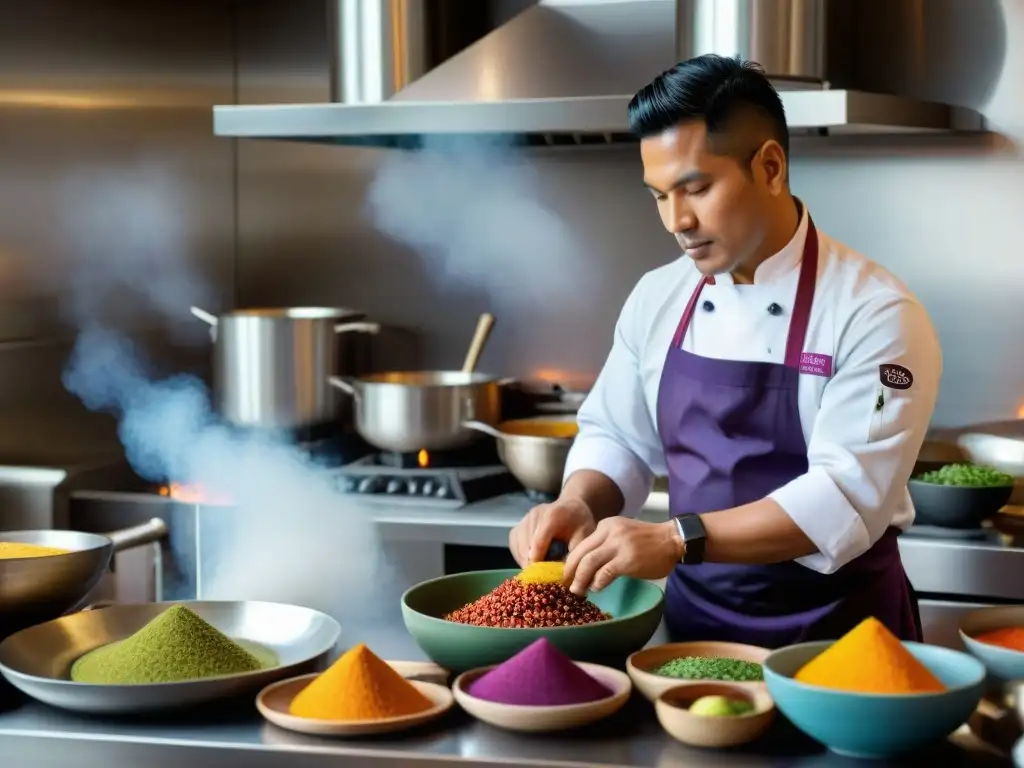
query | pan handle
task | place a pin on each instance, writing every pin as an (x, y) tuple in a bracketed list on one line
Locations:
[(207, 317), (346, 385), (139, 535), (357, 328), (480, 426)]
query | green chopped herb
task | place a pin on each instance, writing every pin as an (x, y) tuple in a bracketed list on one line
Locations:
[(711, 668), (967, 476)]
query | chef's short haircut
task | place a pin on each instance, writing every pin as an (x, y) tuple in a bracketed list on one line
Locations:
[(725, 92)]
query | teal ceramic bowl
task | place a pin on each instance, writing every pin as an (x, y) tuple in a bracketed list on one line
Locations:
[(1002, 663), (875, 725), (636, 607)]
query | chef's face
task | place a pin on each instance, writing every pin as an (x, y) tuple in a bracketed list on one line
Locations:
[(719, 205)]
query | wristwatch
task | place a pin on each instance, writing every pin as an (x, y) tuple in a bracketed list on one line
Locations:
[(691, 531)]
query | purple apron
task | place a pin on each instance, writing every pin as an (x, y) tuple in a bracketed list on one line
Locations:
[(731, 433)]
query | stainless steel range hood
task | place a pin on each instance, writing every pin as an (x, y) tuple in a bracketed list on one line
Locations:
[(561, 72)]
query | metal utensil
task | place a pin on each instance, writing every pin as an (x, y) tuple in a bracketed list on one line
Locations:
[(271, 365), (484, 326), (37, 660), (1002, 452), (408, 411), (40, 588), (535, 460)]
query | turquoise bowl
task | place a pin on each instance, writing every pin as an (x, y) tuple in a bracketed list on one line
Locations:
[(1002, 663), (636, 607), (876, 725)]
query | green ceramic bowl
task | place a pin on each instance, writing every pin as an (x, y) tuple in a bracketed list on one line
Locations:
[(635, 605)]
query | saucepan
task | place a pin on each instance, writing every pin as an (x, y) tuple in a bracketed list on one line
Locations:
[(535, 449), (38, 589), (271, 366), (407, 411), (1000, 446)]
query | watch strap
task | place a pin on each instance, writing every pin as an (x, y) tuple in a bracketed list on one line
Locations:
[(694, 536)]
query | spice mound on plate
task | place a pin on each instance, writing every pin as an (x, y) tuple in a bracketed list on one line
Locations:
[(869, 659), (359, 686), (711, 668), (174, 647), (540, 675), (1010, 638), (533, 598), (15, 550)]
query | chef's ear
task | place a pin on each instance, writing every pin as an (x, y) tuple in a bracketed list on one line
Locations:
[(771, 167)]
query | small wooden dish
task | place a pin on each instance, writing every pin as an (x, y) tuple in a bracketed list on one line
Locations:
[(274, 700), (672, 708), (545, 719), (640, 664)]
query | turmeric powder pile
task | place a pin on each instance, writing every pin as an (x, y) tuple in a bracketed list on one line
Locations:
[(869, 659), (359, 686), (542, 573)]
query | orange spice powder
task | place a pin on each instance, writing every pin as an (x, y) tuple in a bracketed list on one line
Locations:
[(359, 686), (1011, 638), (869, 659)]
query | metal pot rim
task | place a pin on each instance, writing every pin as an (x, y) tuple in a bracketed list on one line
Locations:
[(294, 313), (427, 378)]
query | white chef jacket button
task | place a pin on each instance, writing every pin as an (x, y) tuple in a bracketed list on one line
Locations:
[(707, 306), (774, 309)]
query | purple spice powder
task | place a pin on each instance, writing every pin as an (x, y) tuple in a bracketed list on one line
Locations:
[(540, 675)]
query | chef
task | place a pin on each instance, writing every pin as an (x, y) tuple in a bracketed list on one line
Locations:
[(782, 383)]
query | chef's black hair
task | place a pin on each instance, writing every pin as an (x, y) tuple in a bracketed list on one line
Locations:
[(710, 87)]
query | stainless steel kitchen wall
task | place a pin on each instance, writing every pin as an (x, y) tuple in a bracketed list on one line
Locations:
[(108, 173), (943, 215)]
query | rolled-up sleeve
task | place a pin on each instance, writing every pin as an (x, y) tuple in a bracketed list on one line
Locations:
[(867, 435), (617, 436)]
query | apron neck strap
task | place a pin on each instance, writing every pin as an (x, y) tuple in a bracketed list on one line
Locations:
[(801, 317)]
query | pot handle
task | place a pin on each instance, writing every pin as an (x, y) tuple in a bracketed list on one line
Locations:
[(357, 328), (480, 426), (346, 385), (207, 317), (138, 535)]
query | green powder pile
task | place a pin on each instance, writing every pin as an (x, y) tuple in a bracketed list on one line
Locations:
[(174, 647), (711, 668)]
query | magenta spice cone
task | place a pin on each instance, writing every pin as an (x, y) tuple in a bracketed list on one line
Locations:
[(540, 675)]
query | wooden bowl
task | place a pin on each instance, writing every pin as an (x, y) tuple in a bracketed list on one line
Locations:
[(545, 719), (672, 708), (640, 664), (274, 701)]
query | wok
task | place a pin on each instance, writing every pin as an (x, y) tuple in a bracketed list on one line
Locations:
[(38, 589), (1004, 452), (533, 450), (38, 660)]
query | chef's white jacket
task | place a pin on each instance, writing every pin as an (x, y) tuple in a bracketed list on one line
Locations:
[(859, 456)]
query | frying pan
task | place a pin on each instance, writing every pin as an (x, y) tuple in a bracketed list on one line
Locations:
[(37, 589), (38, 660)]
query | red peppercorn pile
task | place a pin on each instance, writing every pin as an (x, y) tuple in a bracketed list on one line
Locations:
[(514, 604)]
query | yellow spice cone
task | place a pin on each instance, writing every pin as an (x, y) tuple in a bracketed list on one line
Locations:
[(542, 573), (359, 686), (869, 659)]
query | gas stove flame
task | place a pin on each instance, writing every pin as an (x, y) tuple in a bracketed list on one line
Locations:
[(423, 458), (193, 494)]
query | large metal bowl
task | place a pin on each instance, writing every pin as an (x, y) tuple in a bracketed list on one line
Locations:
[(38, 660), (36, 589), (1001, 448), (534, 450)]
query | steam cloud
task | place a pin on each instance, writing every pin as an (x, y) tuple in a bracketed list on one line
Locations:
[(476, 211), (288, 536)]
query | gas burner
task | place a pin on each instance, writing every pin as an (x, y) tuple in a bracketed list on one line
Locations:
[(479, 454), (453, 486)]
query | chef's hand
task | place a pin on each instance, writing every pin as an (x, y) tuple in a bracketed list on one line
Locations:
[(568, 520), (620, 546)]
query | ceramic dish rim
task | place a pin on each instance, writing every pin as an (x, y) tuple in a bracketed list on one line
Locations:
[(625, 690), (436, 710), (758, 695), (603, 623), (820, 689), (124, 687)]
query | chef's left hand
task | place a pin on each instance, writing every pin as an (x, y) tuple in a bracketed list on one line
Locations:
[(621, 546)]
